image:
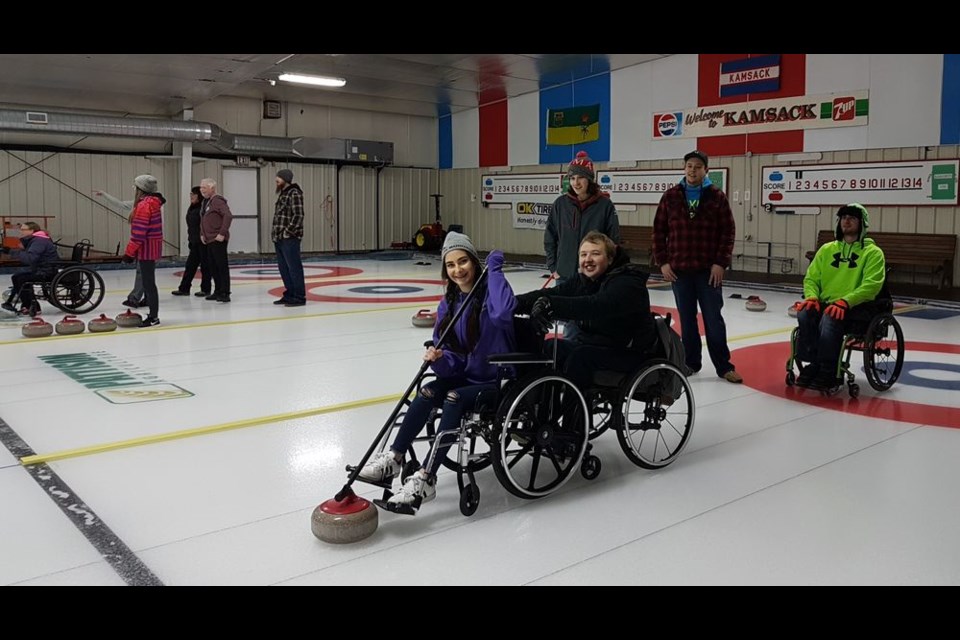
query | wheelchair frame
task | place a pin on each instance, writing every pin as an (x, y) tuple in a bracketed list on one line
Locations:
[(530, 420), (875, 345)]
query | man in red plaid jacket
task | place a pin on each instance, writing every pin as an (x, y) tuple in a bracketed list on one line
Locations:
[(693, 235)]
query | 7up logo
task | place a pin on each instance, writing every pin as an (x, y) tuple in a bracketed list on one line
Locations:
[(844, 108)]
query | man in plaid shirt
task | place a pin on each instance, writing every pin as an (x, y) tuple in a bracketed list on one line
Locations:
[(287, 232), (693, 234)]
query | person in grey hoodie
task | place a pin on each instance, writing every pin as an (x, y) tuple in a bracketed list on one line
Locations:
[(582, 209)]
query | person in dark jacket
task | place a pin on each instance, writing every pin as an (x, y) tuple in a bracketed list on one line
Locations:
[(39, 256), (693, 235), (609, 303), (583, 208), (286, 233), (197, 256), (463, 371), (215, 219)]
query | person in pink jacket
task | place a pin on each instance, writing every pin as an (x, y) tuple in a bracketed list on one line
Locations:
[(146, 240)]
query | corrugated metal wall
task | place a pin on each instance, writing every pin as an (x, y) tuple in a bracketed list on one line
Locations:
[(357, 205), (405, 203), (319, 196), (61, 186), (790, 235)]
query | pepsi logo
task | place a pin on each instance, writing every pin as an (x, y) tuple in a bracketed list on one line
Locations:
[(668, 124)]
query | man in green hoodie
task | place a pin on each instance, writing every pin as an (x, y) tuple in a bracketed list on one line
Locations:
[(841, 288)]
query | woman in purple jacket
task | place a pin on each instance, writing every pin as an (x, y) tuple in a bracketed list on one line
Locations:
[(483, 329)]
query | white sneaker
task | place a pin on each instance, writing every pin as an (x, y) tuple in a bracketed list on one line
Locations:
[(415, 491), (383, 467)]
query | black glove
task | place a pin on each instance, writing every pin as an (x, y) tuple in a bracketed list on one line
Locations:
[(542, 314), (127, 259)]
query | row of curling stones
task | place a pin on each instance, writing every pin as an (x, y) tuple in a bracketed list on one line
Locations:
[(71, 325), (754, 303)]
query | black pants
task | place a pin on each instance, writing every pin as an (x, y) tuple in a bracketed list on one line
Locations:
[(148, 269), (217, 252), (197, 258), (25, 290), (579, 361)]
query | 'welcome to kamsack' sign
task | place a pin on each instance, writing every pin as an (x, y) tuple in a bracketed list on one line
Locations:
[(849, 109)]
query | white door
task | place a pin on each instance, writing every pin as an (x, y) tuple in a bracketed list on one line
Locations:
[(240, 188)]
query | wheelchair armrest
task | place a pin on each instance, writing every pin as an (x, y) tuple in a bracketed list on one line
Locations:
[(519, 358)]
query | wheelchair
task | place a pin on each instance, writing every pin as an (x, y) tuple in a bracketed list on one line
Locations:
[(880, 340), (73, 287), (535, 428)]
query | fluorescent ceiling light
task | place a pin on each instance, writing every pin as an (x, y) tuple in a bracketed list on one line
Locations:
[(320, 81)]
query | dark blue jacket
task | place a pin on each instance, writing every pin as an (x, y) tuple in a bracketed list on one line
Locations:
[(38, 254)]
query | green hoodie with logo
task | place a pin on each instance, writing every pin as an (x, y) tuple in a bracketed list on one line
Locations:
[(853, 272)]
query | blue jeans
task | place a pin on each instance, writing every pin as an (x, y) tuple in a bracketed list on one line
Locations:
[(456, 396), (291, 269), (820, 339), (690, 288)]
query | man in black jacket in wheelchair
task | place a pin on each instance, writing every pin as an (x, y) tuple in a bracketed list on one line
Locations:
[(39, 255), (608, 301)]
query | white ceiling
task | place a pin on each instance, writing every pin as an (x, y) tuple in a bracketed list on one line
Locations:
[(413, 84)]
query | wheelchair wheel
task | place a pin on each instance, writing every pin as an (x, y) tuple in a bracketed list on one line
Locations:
[(469, 499), (76, 289), (883, 352), (658, 415), (543, 432)]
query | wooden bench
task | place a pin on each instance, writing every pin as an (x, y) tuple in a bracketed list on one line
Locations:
[(637, 241), (935, 250)]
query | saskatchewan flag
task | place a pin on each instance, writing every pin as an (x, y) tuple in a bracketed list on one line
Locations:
[(573, 125)]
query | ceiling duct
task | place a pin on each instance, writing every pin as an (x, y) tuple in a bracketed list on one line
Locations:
[(36, 121)]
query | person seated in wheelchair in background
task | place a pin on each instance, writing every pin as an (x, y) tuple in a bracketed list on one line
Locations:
[(841, 289), (608, 301), (461, 366), (39, 256)]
